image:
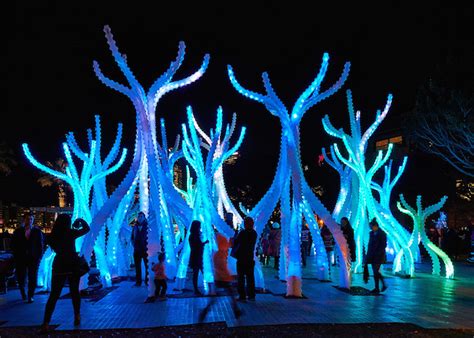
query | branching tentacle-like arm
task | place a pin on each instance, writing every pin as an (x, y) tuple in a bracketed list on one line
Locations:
[(42, 167), (380, 161), (378, 119), (71, 141), (270, 100), (312, 95), (115, 150), (112, 169), (435, 207)]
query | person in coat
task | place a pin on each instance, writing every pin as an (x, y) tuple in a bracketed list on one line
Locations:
[(140, 248), (274, 239), (376, 254), (348, 233), (62, 241), (197, 251), (245, 252), (28, 247)]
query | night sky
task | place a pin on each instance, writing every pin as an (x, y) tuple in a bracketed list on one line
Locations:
[(52, 89)]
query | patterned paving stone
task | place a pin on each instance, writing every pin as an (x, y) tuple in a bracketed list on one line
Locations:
[(426, 300)]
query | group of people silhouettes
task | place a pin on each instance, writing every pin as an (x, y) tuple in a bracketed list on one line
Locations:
[(28, 244)]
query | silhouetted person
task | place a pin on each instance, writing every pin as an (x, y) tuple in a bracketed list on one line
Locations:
[(140, 248), (304, 243), (27, 246), (245, 244), (197, 250), (376, 254), (348, 233), (63, 241)]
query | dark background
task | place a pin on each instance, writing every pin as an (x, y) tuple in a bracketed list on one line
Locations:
[(51, 88)]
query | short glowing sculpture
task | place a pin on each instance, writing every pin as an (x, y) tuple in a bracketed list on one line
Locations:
[(204, 208), (154, 172), (83, 184), (289, 186), (418, 235), (363, 205)]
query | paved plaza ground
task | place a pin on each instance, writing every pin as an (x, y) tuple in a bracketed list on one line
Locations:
[(426, 301)]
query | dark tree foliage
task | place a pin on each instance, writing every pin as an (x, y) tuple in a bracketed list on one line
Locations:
[(442, 121)]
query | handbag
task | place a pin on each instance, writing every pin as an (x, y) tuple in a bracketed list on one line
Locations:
[(81, 267)]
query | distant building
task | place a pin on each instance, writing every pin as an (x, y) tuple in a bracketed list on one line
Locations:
[(178, 176)]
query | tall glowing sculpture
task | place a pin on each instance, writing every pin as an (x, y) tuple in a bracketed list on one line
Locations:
[(363, 204), (418, 235), (155, 181), (289, 186)]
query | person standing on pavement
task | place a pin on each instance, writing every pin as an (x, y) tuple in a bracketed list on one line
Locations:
[(196, 255), (376, 254), (245, 252), (304, 243), (65, 266), (140, 247), (27, 246)]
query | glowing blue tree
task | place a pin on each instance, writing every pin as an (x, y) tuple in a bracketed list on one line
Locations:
[(289, 186), (83, 184), (418, 235), (205, 168), (363, 204), (224, 203), (154, 176)]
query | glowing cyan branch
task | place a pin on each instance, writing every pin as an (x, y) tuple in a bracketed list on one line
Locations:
[(294, 196), (361, 202), (419, 217)]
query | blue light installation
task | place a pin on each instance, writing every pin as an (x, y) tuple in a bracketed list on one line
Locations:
[(418, 235), (87, 191), (205, 168), (363, 205), (159, 199), (296, 198)]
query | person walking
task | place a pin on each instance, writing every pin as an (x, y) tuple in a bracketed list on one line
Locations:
[(348, 233), (245, 244), (140, 247), (222, 277), (65, 265), (197, 250), (160, 277), (376, 254), (28, 246)]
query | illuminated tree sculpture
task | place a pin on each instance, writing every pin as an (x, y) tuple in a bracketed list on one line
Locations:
[(100, 196), (205, 168), (83, 184), (418, 235), (363, 204), (289, 186), (224, 203), (155, 180)]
